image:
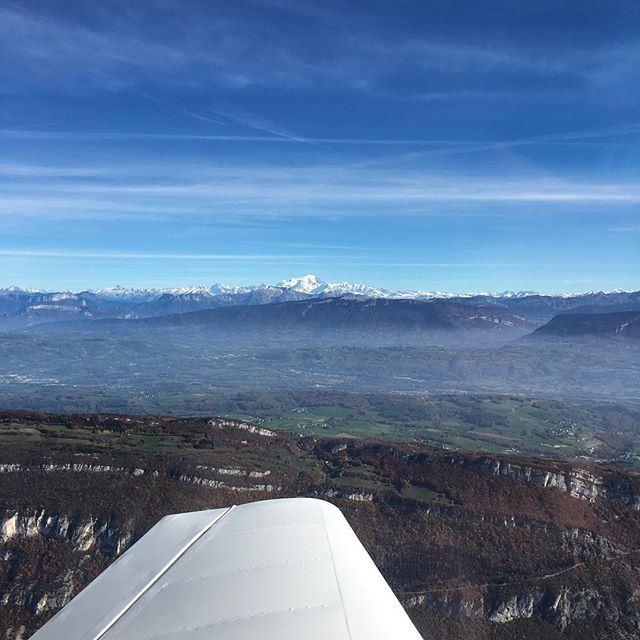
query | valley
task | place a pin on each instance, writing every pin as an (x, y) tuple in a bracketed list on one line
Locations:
[(482, 545), (484, 448)]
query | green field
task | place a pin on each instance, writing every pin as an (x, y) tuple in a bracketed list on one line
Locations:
[(496, 424), (547, 428)]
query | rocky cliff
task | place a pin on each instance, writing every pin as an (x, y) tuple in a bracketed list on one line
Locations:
[(475, 546)]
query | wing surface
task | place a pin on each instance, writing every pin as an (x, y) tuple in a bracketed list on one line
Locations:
[(280, 569)]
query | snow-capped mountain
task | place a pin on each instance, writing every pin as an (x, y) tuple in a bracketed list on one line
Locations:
[(20, 307), (308, 284), (444, 295), (313, 286), (144, 295), (223, 289), (124, 293)]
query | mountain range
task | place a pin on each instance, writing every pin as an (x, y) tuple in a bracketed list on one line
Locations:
[(307, 284), (23, 307)]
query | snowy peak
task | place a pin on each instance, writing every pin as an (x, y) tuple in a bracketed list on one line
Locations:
[(218, 289), (312, 285), (303, 284), (119, 293), (124, 294), (16, 291)]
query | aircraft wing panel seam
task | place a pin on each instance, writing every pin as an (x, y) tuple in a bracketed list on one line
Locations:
[(335, 574), (102, 633)]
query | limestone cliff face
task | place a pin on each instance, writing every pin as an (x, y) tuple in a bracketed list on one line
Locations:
[(558, 606), (77, 467), (578, 483), (221, 423), (82, 534), (47, 557), (38, 600)]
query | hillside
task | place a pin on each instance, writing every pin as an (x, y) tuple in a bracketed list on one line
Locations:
[(540, 308), (624, 324), (474, 545), (351, 315)]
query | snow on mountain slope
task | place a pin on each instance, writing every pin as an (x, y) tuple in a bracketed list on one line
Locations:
[(304, 284), (223, 289), (144, 295), (312, 285), (307, 284), (20, 307)]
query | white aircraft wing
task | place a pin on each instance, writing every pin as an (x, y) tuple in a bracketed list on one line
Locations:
[(289, 569)]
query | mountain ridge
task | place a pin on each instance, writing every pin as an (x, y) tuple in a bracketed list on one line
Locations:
[(24, 307), (309, 284), (619, 324), (333, 317)]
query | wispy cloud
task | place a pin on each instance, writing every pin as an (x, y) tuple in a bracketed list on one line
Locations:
[(566, 137), (227, 116), (180, 109), (259, 123), (608, 136), (627, 228), (44, 52), (126, 136), (41, 52), (340, 51), (128, 255), (47, 171), (213, 192)]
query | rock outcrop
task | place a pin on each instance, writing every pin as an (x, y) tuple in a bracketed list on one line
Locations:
[(83, 534)]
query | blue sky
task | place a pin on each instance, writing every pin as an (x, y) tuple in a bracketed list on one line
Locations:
[(460, 146)]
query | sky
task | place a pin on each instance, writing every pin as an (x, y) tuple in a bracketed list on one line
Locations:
[(435, 145)]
